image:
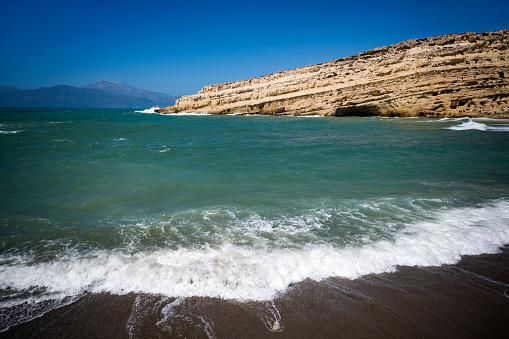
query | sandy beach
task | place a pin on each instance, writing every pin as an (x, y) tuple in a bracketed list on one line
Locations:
[(465, 300)]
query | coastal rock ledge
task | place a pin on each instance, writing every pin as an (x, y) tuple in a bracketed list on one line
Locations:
[(455, 75)]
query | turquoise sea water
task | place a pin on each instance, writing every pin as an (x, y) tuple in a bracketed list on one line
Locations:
[(236, 207)]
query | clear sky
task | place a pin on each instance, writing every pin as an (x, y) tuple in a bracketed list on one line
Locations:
[(177, 47)]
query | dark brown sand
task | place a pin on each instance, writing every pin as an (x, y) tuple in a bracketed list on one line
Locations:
[(465, 300)]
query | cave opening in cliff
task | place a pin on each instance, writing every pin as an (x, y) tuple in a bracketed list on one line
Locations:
[(357, 111)]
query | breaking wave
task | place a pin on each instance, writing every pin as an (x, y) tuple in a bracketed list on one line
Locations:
[(233, 271), (149, 110), (473, 125)]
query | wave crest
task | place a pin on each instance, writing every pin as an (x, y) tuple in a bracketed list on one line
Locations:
[(149, 110), (473, 125), (245, 273)]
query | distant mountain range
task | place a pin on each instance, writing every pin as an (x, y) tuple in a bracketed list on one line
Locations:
[(99, 94)]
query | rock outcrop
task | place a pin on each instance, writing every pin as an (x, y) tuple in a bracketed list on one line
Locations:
[(455, 75)]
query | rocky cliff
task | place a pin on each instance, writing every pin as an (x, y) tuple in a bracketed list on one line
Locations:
[(456, 75)]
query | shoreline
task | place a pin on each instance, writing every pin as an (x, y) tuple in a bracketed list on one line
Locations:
[(494, 116), (469, 299)]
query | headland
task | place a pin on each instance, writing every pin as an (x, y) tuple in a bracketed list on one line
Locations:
[(454, 75)]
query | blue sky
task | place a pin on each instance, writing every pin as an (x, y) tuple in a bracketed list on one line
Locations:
[(179, 47)]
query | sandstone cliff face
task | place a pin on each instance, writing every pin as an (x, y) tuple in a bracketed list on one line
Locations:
[(454, 75)]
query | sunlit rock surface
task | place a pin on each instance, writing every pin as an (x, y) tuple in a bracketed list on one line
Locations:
[(455, 75)]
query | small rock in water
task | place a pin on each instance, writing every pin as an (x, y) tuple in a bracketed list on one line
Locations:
[(276, 327)]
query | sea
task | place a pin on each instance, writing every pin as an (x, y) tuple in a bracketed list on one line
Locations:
[(235, 207)]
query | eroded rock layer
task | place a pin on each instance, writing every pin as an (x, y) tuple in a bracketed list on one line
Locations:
[(456, 75)]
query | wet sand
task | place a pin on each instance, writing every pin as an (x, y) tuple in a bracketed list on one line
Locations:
[(466, 300)]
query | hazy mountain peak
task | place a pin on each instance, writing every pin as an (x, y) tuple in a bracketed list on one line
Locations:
[(110, 86), (102, 93), (8, 88), (115, 87)]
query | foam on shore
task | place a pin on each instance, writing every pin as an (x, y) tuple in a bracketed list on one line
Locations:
[(245, 273)]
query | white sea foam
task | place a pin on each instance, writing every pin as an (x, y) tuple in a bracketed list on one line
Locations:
[(240, 113), (149, 110), (32, 309), (493, 120), (9, 132), (248, 273), (447, 119), (474, 125)]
